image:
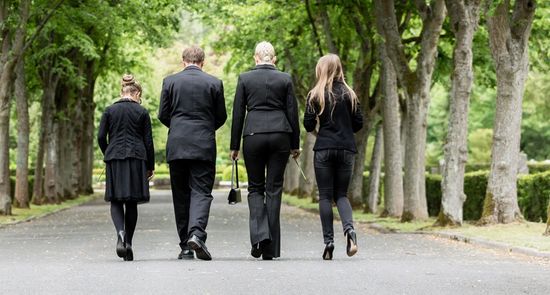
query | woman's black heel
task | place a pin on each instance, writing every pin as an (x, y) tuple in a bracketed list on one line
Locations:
[(121, 244), (329, 248), (129, 253), (351, 237)]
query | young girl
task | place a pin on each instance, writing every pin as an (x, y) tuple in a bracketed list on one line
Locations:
[(126, 141), (334, 105)]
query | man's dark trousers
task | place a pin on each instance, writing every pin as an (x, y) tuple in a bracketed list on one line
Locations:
[(192, 182)]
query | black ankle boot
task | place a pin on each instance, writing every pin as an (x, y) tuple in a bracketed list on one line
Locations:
[(351, 238), (121, 244), (329, 248)]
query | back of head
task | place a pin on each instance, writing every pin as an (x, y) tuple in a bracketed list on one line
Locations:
[(193, 55), (265, 52), (130, 85), (328, 70)]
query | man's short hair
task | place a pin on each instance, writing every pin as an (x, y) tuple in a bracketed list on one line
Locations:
[(193, 54)]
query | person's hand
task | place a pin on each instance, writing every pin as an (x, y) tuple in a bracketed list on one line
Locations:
[(295, 153), (150, 174), (234, 155)]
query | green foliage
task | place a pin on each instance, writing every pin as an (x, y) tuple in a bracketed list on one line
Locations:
[(535, 139), (479, 146), (538, 167), (433, 193), (533, 194), (226, 173)]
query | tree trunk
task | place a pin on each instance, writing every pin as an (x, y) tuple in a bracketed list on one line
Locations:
[(416, 85), (292, 178), (414, 205), (48, 97), (9, 57), (50, 175), (374, 171), (508, 38), (23, 132), (308, 189), (355, 190), (464, 19), (87, 144), (5, 199), (393, 161)]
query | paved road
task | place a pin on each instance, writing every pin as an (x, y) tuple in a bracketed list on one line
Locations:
[(72, 252)]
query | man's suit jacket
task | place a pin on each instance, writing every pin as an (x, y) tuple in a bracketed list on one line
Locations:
[(192, 106), (266, 96)]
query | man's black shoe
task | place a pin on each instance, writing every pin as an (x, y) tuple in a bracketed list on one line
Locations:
[(200, 248), (186, 254)]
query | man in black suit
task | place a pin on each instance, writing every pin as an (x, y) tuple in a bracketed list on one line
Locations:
[(192, 106)]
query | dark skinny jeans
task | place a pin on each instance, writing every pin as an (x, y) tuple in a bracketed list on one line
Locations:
[(333, 170)]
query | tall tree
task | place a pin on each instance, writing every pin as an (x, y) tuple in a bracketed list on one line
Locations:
[(13, 45), (416, 86), (393, 163), (464, 17), (375, 170), (22, 195), (509, 30)]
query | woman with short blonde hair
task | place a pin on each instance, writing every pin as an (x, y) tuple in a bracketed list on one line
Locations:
[(265, 100), (335, 106)]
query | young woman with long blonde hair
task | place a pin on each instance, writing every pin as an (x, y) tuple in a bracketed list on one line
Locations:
[(334, 105)]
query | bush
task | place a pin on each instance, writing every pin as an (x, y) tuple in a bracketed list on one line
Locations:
[(366, 188), (475, 186), (535, 168), (433, 193), (533, 194), (226, 174)]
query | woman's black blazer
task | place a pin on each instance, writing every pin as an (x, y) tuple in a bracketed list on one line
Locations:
[(266, 96), (125, 132)]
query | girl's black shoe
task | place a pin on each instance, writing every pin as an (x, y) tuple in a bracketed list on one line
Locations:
[(121, 244), (129, 253), (351, 248), (329, 248)]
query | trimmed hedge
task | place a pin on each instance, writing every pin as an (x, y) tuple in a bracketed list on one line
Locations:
[(535, 168), (533, 195)]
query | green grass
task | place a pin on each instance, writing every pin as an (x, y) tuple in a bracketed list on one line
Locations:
[(520, 234), (38, 211)]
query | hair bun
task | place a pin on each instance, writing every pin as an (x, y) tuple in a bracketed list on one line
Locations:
[(128, 80)]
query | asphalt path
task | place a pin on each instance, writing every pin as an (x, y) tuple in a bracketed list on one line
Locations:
[(73, 252)]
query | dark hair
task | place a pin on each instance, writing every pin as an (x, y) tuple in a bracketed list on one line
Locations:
[(130, 85), (193, 54)]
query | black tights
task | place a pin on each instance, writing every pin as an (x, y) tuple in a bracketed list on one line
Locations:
[(125, 221)]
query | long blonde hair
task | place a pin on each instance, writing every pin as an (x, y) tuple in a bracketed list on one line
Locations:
[(328, 69)]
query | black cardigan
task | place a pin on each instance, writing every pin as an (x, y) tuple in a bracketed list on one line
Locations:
[(336, 127), (266, 96), (125, 132)]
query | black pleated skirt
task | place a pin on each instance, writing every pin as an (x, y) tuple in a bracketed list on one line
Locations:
[(126, 181)]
